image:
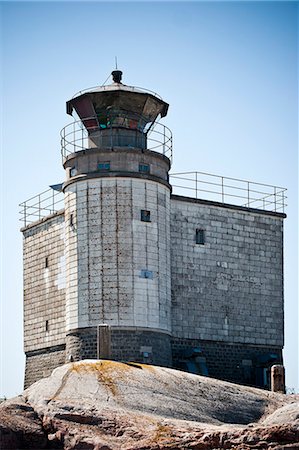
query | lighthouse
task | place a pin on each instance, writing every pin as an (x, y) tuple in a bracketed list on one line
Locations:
[(126, 261), (117, 204)]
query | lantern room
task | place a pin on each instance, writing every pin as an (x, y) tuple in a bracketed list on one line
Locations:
[(115, 115)]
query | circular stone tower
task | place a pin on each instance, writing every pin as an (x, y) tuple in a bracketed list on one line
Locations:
[(117, 202)]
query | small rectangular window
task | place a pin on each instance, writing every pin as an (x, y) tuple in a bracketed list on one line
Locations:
[(73, 171), (144, 168), (145, 216), (104, 166), (47, 325), (146, 274), (46, 262), (200, 236)]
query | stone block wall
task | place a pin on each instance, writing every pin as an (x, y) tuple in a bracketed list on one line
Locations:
[(142, 345), (229, 289), (108, 249), (44, 283), (131, 344), (238, 363), (40, 364), (226, 293)]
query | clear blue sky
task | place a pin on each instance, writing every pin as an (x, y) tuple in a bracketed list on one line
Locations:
[(228, 71)]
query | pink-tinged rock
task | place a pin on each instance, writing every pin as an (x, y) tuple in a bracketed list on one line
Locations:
[(20, 427), (105, 405)]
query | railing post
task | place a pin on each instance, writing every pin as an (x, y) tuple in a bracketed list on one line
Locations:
[(275, 198), (283, 201), (64, 143), (196, 184), (74, 142), (248, 194), (222, 190), (25, 213), (53, 201), (39, 206)]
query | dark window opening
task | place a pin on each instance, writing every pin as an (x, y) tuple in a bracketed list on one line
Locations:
[(46, 262), (144, 168), (71, 220), (145, 216), (47, 325), (104, 166), (73, 171), (200, 236)]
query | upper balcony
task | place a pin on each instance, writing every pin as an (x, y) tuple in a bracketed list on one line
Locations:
[(122, 130)]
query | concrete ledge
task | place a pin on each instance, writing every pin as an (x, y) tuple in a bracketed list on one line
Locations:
[(116, 328), (42, 220), (117, 174), (102, 150), (40, 351)]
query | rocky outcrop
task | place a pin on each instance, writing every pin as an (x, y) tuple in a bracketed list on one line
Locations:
[(20, 426), (105, 405)]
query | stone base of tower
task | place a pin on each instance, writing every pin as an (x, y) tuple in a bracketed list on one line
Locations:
[(145, 346), (238, 363), (41, 363), (142, 345)]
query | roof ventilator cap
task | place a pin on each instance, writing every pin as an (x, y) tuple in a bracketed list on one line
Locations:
[(116, 75)]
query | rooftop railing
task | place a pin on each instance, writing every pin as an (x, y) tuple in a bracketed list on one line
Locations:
[(41, 205), (199, 185), (233, 191)]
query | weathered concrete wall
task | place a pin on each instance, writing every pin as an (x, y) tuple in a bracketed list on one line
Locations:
[(123, 161), (44, 284), (108, 247), (231, 288)]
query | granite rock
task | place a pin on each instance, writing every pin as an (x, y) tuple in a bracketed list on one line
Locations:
[(106, 405)]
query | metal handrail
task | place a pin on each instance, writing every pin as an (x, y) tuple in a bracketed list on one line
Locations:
[(41, 205), (77, 135), (273, 198), (226, 178), (245, 193)]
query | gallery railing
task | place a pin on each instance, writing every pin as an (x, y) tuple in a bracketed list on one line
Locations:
[(229, 190), (90, 133)]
